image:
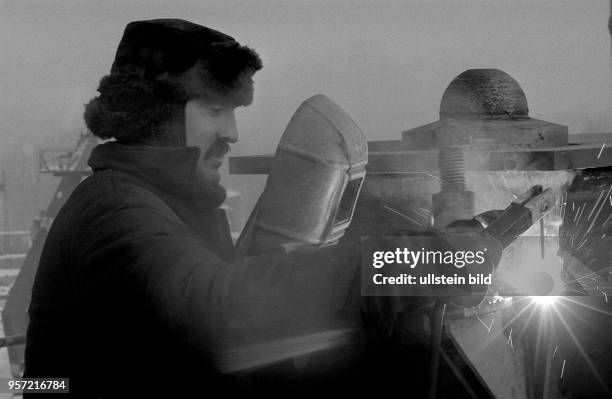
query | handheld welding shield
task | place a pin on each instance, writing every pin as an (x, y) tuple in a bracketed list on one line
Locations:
[(313, 184)]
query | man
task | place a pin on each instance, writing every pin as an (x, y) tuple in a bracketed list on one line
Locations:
[(137, 289)]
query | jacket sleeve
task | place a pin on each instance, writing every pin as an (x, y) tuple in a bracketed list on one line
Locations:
[(144, 254)]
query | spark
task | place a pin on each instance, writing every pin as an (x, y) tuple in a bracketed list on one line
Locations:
[(420, 214), (598, 212), (605, 296), (434, 176), (510, 339), (485, 324), (563, 206), (555, 351), (595, 205), (607, 220), (577, 216), (579, 347), (401, 214), (600, 151), (530, 307), (592, 223), (562, 368)]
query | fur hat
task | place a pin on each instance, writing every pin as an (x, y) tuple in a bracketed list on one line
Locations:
[(173, 46), (159, 65)]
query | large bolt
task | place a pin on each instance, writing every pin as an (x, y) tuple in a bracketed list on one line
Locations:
[(453, 202), (452, 169)]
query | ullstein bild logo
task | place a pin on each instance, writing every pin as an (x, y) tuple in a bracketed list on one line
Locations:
[(432, 279)]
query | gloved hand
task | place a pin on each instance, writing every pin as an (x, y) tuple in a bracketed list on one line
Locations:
[(467, 236)]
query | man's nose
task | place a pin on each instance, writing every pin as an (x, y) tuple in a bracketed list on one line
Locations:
[(230, 129)]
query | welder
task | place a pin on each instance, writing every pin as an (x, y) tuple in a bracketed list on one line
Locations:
[(139, 289)]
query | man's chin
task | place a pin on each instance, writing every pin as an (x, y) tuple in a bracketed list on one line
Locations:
[(211, 193), (210, 174), (214, 176)]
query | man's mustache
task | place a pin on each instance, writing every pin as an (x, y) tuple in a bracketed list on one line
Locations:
[(217, 149)]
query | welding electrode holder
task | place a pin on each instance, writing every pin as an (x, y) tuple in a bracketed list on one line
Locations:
[(521, 215)]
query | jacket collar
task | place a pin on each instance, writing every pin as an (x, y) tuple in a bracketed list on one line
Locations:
[(169, 169)]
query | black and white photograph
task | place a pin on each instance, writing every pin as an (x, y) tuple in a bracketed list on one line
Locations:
[(298, 198)]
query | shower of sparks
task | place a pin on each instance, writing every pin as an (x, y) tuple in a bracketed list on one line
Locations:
[(588, 276), (545, 316), (600, 151), (575, 339), (529, 308), (595, 204), (563, 369), (401, 214), (585, 223)]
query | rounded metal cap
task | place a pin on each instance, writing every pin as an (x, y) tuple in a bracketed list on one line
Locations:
[(482, 94)]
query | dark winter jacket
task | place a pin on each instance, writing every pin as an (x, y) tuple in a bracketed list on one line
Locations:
[(137, 288)]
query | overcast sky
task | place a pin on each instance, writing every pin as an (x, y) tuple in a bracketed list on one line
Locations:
[(385, 62)]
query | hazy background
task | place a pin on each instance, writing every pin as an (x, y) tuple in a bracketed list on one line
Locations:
[(386, 63)]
